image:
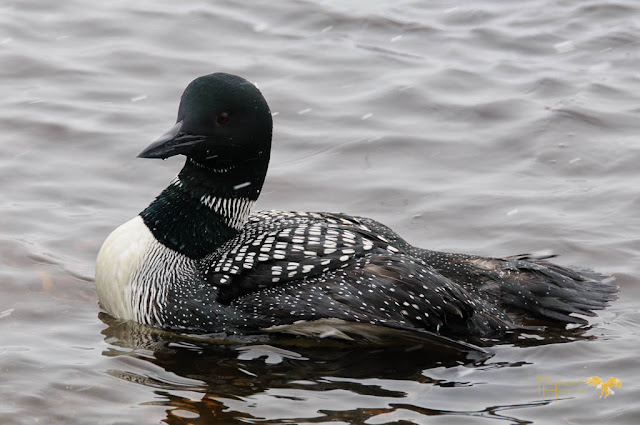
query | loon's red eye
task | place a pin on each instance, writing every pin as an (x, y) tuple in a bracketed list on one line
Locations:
[(223, 118)]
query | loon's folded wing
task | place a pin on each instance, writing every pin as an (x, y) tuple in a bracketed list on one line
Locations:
[(279, 247)]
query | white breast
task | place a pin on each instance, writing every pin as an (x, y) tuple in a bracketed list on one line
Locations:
[(118, 263)]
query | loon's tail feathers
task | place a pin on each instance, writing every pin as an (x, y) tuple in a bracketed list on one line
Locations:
[(562, 290), (529, 287)]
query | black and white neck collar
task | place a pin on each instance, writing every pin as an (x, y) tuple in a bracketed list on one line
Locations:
[(201, 209)]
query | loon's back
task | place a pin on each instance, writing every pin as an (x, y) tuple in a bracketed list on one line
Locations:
[(286, 267)]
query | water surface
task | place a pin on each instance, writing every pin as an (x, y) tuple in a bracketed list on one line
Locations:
[(486, 127)]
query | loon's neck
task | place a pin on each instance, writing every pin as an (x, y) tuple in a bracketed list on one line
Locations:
[(204, 207)]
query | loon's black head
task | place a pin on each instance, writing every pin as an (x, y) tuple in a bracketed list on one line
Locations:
[(223, 122), (224, 129)]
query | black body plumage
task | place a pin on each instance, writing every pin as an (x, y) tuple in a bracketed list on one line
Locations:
[(245, 273), (284, 267)]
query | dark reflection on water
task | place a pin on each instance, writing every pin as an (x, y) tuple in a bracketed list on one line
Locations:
[(217, 371)]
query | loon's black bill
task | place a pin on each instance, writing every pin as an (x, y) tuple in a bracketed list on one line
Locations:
[(171, 143)]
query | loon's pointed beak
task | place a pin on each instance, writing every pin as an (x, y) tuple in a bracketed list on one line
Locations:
[(171, 143)]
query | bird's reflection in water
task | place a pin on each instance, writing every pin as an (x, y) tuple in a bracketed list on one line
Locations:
[(204, 380)]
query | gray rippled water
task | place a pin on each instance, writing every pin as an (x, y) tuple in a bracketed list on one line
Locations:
[(486, 127)]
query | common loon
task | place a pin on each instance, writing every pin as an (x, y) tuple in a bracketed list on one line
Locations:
[(196, 260)]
